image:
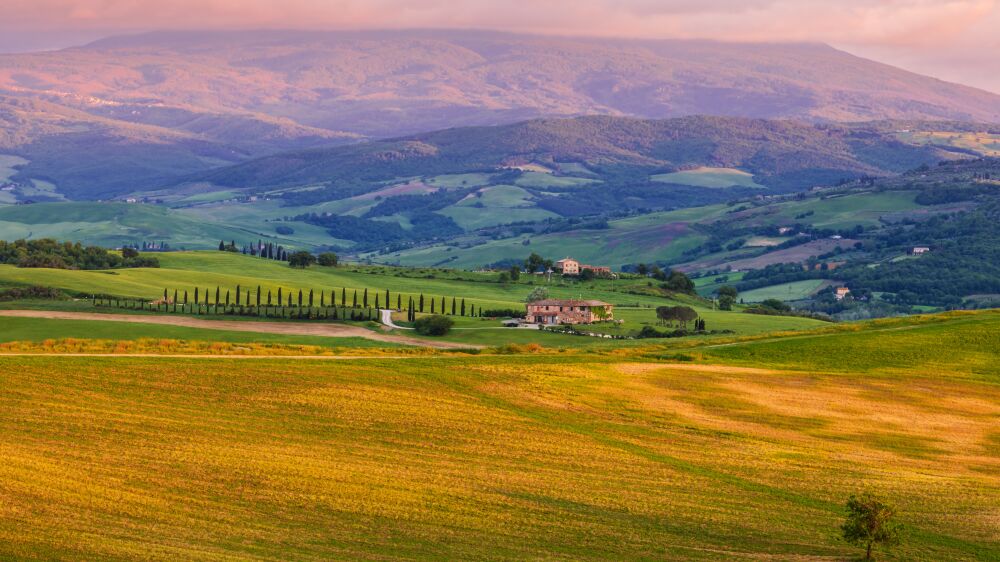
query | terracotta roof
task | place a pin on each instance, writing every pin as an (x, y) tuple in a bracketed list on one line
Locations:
[(568, 302)]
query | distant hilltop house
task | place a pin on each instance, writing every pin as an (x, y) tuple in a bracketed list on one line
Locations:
[(917, 250), (556, 311), (569, 266), (841, 292)]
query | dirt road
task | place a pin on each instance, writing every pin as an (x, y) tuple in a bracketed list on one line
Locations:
[(285, 328)]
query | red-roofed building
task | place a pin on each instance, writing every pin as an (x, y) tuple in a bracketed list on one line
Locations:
[(558, 311)]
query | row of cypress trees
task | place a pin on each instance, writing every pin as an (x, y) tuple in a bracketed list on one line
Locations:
[(247, 302)]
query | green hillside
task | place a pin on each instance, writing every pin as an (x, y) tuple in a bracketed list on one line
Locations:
[(635, 299)]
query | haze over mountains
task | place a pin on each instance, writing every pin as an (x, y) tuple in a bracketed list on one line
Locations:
[(133, 112)]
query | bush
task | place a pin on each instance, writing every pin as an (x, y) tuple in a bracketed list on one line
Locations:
[(33, 292), (301, 260), (434, 325), (328, 259), (284, 230)]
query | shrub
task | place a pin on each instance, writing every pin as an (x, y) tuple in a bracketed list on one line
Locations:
[(434, 325), (301, 260), (33, 292), (284, 230), (327, 259)]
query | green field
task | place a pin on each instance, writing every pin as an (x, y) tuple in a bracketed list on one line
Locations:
[(207, 270), (40, 329), (797, 290), (583, 457), (112, 224), (710, 178), (499, 204), (652, 237), (847, 211)]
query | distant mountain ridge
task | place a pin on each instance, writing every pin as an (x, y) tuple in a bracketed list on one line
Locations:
[(132, 112), (783, 154)]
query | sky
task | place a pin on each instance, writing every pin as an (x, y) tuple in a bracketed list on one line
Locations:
[(955, 40)]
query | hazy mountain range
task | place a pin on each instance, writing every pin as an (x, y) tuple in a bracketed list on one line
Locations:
[(133, 112)]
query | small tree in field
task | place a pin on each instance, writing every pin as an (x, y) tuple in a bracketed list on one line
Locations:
[(537, 294), (301, 260), (870, 523), (327, 259), (434, 325)]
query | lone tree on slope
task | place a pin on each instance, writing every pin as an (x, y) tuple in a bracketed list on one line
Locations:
[(870, 523)]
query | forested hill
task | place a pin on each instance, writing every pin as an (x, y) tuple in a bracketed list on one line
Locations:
[(780, 154)]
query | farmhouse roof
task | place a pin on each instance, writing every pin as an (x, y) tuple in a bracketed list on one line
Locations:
[(568, 302)]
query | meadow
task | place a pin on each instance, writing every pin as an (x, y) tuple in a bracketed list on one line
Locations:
[(746, 453), (710, 178), (184, 271), (796, 290)]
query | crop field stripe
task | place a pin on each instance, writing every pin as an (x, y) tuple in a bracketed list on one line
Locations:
[(568, 422)]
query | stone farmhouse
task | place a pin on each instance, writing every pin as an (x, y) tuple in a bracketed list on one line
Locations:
[(569, 266), (559, 311)]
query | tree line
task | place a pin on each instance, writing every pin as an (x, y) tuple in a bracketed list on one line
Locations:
[(50, 253), (356, 304)]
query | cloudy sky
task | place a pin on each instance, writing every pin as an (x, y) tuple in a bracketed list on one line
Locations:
[(955, 40)]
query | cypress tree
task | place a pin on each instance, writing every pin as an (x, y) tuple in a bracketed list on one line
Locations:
[(442, 305), (376, 301), (290, 299), (463, 307), (365, 301), (355, 304), (343, 296), (310, 298), (452, 306), (387, 301), (227, 298), (300, 298), (432, 306), (217, 294), (399, 302), (421, 303), (280, 300), (196, 295), (322, 299), (269, 297), (185, 296), (258, 296), (248, 298), (164, 295)]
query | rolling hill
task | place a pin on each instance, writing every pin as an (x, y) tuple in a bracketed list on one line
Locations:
[(132, 112)]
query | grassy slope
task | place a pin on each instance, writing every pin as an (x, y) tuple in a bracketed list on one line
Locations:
[(646, 238), (186, 270), (709, 178), (786, 291), (38, 329), (509, 457), (112, 224)]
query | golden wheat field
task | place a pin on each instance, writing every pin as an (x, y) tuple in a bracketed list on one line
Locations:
[(490, 457)]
